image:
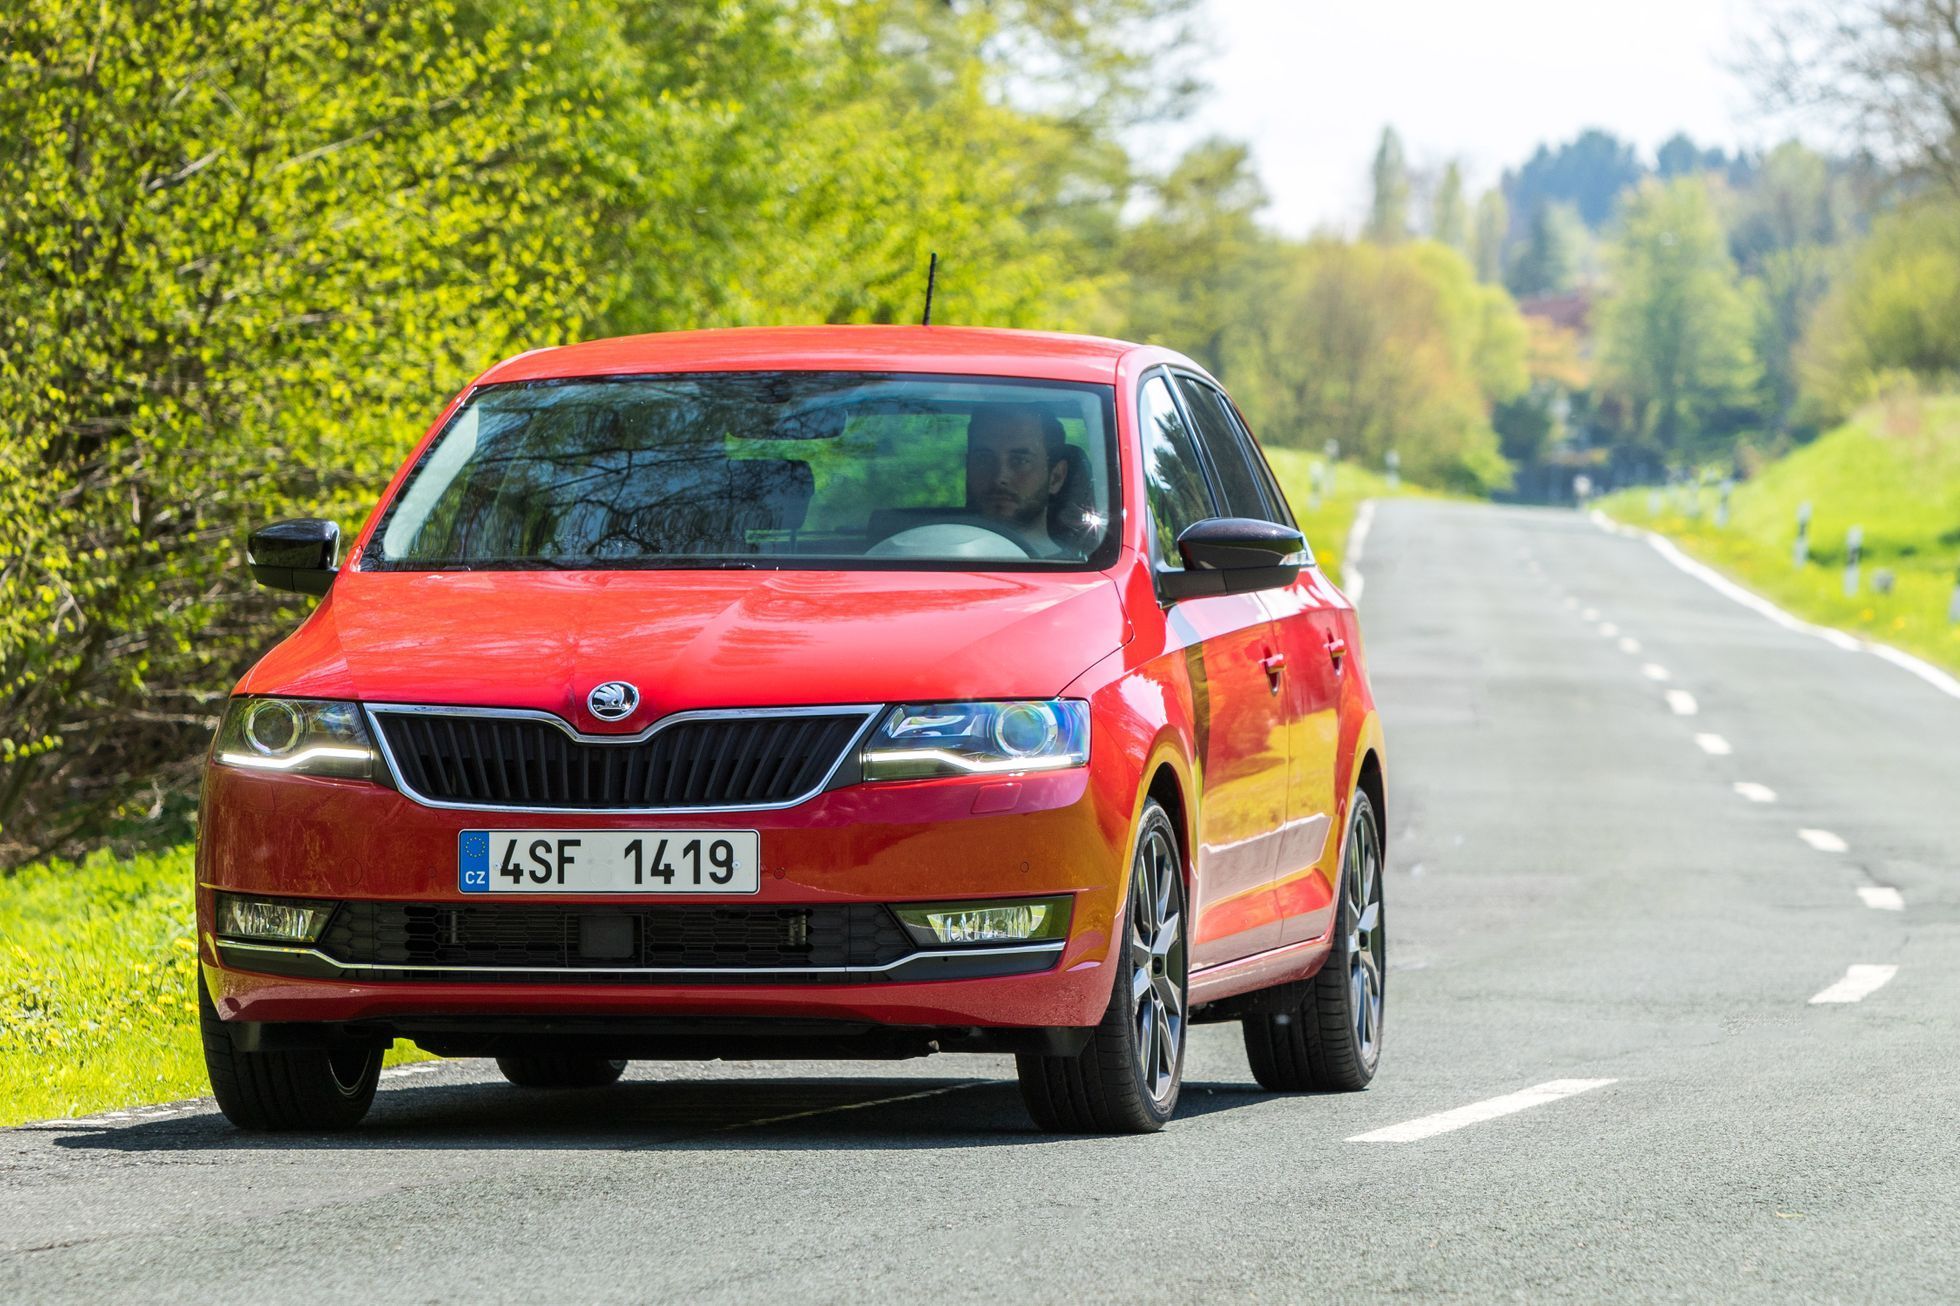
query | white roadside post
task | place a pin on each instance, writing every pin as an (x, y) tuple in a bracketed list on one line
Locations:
[(1854, 544), (1333, 451), (1953, 604), (1801, 555), (1722, 508), (1317, 485), (1394, 461)]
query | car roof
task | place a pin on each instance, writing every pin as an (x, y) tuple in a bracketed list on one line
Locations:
[(968, 351)]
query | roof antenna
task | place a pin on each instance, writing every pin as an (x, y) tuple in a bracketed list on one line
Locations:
[(932, 275)]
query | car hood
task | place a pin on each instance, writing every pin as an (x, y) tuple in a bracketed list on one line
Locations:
[(695, 639)]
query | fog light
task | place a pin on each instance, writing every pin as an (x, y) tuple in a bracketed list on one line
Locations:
[(1024, 920), (280, 920)]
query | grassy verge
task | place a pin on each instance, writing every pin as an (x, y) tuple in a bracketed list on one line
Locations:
[(1327, 524), (97, 998), (1895, 472)]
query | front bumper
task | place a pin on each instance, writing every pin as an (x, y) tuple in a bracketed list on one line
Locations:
[(937, 840)]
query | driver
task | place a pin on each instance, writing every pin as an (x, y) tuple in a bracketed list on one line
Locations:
[(1015, 467)]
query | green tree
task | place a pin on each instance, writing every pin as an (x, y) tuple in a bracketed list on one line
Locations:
[(1673, 331), (1894, 315), (245, 248), (1589, 173), (1388, 209), (1197, 262), (1386, 348), (1554, 252), (1784, 295), (1449, 221), (1491, 236)]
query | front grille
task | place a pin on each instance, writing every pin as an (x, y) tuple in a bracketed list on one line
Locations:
[(525, 762), (600, 938)]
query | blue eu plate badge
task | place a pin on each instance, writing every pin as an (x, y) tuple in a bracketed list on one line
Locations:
[(473, 861)]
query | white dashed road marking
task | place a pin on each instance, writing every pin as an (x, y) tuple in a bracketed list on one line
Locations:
[(1609, 630), (1881, 897), (1754, 792), (1590, 614), (1823, 841), (1628, 644), (1713, 745), (1681, 702), (1477, 1112), (1653, 671), (1859, 982)]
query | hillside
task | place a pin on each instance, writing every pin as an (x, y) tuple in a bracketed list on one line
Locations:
[(1893, 471)]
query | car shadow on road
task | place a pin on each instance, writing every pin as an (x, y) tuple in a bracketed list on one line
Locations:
[(698, 1114)]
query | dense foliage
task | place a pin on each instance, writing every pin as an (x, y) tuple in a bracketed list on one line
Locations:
[(247, 248)]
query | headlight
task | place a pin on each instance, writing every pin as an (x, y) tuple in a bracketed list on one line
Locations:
[(940, 739), (305, 736)]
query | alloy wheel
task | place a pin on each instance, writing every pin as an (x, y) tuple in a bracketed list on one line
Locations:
[(1157, 963), (1367, 942)]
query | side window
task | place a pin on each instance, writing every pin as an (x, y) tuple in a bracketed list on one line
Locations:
[(1238, 483), (1174, 480), (1282, 510)]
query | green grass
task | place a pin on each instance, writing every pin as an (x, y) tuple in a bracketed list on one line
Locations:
[(1327, 525), (97, 998), (1895, 471)]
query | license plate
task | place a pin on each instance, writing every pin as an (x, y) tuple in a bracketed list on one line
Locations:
[(608, 861)]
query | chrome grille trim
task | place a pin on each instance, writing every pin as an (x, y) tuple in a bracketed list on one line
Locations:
[(374, 711)]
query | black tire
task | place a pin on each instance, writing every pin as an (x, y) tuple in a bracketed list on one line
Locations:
[(560, 1071), (305, 1089), (1105, 1089), (1329, 1041)]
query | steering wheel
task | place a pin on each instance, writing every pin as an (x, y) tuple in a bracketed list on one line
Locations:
[(953, 539)]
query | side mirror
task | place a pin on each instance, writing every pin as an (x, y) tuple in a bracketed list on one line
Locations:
[(297, 554), (1234, 555)]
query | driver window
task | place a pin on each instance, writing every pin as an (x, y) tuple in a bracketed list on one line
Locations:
[(1174, 481)]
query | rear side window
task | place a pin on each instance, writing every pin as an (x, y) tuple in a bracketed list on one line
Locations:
[(1174, 480), (1238, 482)]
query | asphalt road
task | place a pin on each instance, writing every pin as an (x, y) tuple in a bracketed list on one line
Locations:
[(1578, 892)]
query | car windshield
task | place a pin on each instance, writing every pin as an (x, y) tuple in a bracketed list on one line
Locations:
[(763, 469)]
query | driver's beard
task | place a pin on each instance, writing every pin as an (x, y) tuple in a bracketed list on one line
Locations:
[(1026, 515)]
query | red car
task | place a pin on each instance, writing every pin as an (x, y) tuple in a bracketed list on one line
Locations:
[(828, 692)]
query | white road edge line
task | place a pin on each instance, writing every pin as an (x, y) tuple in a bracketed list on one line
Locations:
[(1713, 745), (1823, 841), (1859, 982), (1721, 584), (1653, 671), (1351, 581), (1443, 1122), (1754, 792), (1882, 897), (1681, 702)]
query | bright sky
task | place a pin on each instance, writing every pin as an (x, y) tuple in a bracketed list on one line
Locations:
[(1310, 84)]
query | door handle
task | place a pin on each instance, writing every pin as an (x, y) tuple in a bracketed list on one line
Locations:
[(1274, 664), (1336, 649)]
